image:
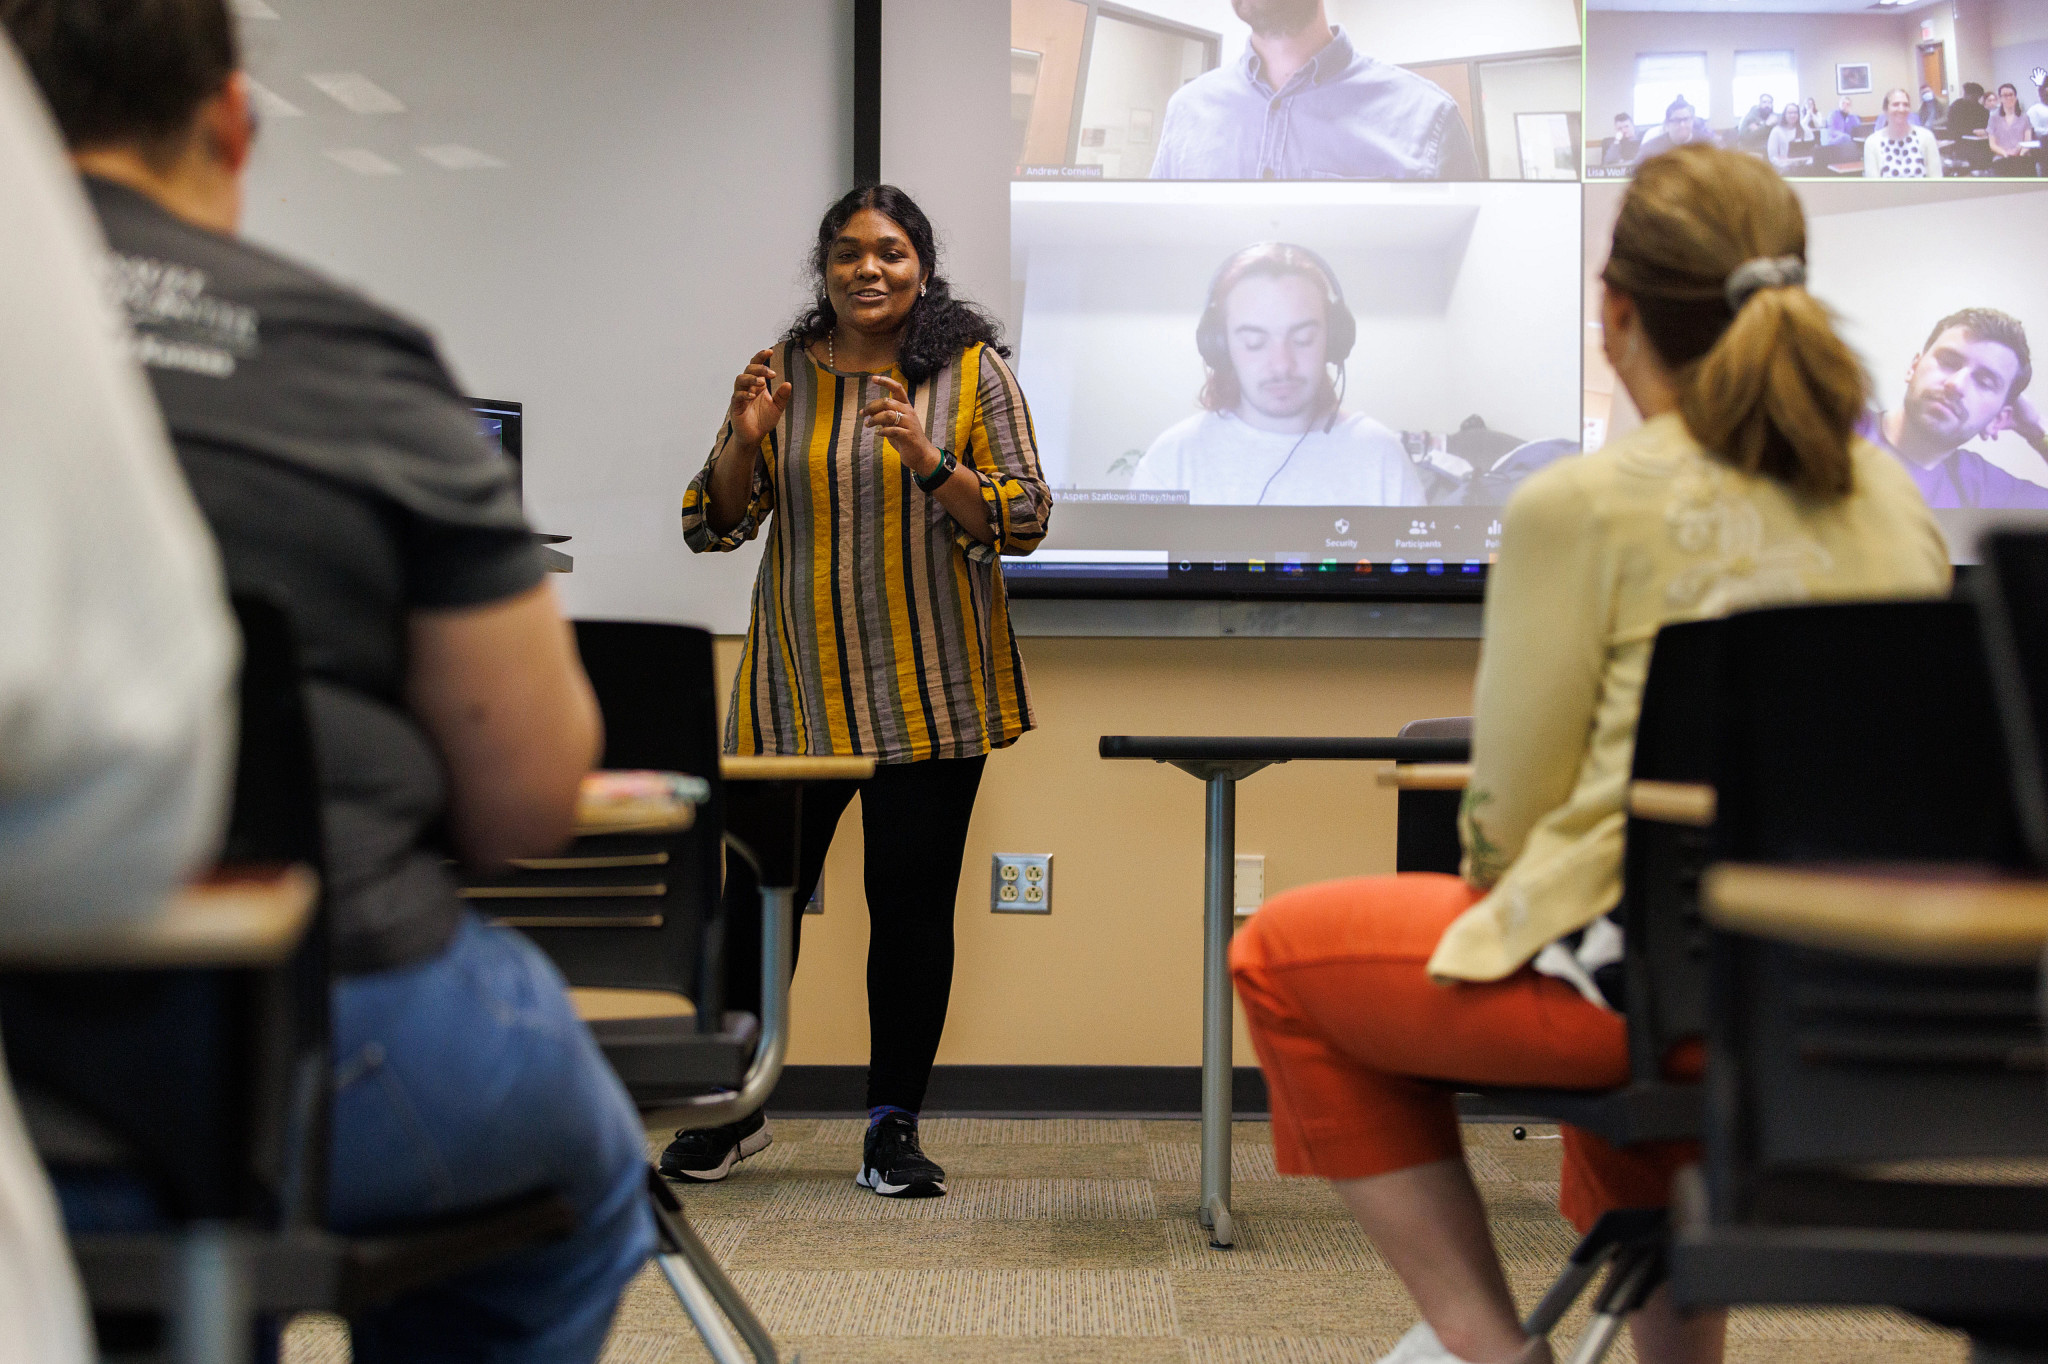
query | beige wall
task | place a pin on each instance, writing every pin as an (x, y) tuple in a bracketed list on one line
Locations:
[(1112, 976), (1970, 48), (1820, 40), (2018, 21)]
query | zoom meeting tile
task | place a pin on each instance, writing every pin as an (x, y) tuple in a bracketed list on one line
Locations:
[(1302, 285)]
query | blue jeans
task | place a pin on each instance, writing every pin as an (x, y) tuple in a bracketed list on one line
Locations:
[(462, 1080)]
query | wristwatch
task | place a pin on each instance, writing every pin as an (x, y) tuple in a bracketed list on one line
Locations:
[(942, 471)]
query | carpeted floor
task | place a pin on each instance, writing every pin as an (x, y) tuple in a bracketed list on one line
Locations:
[(1073, 1241)]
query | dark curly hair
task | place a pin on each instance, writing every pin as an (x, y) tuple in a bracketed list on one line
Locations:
[(939, 327)]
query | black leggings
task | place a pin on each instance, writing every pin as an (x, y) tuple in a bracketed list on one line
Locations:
[(913, 834)]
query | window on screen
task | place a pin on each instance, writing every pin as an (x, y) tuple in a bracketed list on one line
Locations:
[(1773, 73), (1662, 77)]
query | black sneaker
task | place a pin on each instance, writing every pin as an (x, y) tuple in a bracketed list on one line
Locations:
[(710, 1153), (892, 1163)]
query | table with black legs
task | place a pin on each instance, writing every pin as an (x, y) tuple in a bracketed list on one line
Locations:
[(1220, 764)]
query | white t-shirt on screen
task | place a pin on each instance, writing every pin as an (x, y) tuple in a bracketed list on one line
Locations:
[(1220, 460)]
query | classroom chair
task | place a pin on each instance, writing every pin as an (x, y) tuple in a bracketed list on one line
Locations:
[(1855, 1093), (175, 1077), (634, 920)]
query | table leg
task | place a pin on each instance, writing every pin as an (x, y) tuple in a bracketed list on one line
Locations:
[(1218, 885), (212, 1322)]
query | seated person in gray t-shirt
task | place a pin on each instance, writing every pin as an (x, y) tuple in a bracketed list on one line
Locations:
[(1271, 431)]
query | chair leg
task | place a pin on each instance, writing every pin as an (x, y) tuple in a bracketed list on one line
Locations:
[(211, 1322), (1558, 1301), (1637, 1271), (1614, 1232), (714, 1306)]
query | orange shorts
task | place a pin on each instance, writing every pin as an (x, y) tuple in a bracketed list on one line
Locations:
[(1361, 1049)]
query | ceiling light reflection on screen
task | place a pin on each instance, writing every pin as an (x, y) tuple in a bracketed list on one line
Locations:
[(362, 161), (454, 156), (355, 92), (270, 104)]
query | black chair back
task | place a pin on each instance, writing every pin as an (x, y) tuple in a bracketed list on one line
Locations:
[(1865, 733), (636, 911), (207, 1084), (1665, 941), (1426, 822), (2012, 597)]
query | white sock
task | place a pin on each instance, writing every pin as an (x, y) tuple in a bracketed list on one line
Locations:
[(1419, 1346)]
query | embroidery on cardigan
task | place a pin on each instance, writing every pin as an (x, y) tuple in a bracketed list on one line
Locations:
[(1709, 516)]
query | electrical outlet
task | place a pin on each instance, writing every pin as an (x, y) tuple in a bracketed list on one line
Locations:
[(1020, 883), (1249, 883)]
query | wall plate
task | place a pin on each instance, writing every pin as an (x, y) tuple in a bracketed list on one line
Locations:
[(1020, 883), (1249, 890)]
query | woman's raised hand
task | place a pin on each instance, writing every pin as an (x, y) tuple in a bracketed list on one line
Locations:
[(892, 417), (758, 402)]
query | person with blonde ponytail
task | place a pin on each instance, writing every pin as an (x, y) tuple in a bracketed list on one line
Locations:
[(1745, 485)]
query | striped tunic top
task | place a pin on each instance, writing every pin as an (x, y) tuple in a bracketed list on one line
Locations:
[(879, 625)]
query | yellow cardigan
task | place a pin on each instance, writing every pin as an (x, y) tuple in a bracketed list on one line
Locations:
[(1597, 553)]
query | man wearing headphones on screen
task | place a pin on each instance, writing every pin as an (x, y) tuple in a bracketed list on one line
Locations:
[(1273, 431), (1301, 103), (1969, 380)]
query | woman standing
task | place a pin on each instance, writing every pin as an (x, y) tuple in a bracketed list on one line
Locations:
[(2009, 129), (894, 452), (1899, 149)]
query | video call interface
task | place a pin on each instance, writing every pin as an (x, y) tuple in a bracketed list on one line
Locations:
[(1302, 290)]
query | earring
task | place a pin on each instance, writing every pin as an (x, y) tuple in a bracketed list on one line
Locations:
[(922, 289)]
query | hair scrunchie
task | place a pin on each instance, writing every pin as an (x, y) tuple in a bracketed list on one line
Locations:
[(1765, 272)]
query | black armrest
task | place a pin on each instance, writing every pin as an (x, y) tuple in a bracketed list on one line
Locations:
[(378, 1268), (313, 1270)]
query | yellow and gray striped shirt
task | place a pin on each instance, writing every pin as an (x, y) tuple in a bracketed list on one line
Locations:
[(879, 625)]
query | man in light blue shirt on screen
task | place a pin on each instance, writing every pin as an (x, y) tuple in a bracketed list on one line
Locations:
[(1303, 104)]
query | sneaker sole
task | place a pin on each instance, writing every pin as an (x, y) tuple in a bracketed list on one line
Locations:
[(871, 1179), (750, 1145)]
